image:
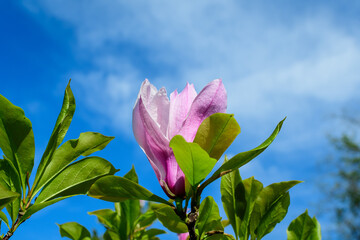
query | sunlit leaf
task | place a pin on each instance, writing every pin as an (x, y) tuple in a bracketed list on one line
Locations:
[(209, 218), (146, 219), (117, 189), (6, 197), (74, 231), (61, 127), (192, 159), (107, 217), (4, 219), (267, 200), (111, 235), (242, 158), (17, 139), (76, 178), (216, 133), (170, 220), (233, 200), (87, 143), (252, 189), (151, 233), (131, 207), (10, 180), (304, 228), (273, 216), (38, 206)]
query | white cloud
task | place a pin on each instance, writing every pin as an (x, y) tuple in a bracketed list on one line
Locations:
[(295, 64)]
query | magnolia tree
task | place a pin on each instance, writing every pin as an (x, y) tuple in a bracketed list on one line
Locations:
[(182, 137)]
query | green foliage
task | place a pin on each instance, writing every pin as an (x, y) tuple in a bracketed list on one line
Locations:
[(74, 231), (251, 209), (343, 195), (17, 139), (58, 176), (6, 197), (216, 133), (209, 217), (270, 208), (128, 221), (86, 144), (192, 159), (115, 189), (3, 218), (170, 219), (10, 180), (61, 127), (83, 174), (304, 228), (241, 159)]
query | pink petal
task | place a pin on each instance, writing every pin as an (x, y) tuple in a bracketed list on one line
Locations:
[(175, 178), (157, 104), (183, 236), (141, 136), (179, 108), (212, 99), (152, 128)]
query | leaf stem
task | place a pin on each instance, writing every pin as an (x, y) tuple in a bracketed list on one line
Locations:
[(179, 208), (15, 226), (211, 179)]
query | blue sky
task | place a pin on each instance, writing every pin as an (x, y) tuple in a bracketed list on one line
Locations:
[(299, 60)]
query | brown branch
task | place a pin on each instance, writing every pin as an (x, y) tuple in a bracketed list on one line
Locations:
[(192, 217), (7, 236), (14, 226)]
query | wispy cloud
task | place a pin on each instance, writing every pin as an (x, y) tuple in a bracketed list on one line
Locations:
[(274, 63)]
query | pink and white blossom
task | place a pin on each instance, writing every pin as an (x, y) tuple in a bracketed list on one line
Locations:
[(156, 119)]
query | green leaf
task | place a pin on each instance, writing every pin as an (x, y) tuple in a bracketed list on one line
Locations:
[(209, 217), (170, 220), (76, 178), (126, 221), (61, 127), (268, 199), (38, 206), (252, 189), (192, 159), (146, 219), (131, 175), (74, 231), (131, 208), (6, 197), (242, 158), (10, 180), (87, 143), (219, 237), (316, 235), (17, 139), (118, 189), (233, 198), (4, 219), (273, 216), (107, 217), (225, 223), (111, 235), (216, 133), (304, 228), (95, 235), (151, 233)]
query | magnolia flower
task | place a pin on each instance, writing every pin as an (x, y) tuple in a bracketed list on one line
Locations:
[(156, 119), (183, 236)]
